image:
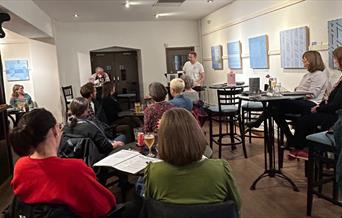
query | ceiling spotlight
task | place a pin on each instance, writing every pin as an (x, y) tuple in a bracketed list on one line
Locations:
[(76, 15), (156, 16), (127, 4), (210, 1)]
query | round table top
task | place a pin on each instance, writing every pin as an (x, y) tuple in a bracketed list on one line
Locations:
[(225, 86), (266, 98)]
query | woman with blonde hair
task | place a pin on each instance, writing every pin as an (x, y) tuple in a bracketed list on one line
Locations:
[(182, 177), (19, 98)]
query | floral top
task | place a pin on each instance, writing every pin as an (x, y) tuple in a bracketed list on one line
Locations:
[(17, 102), (153, 114)]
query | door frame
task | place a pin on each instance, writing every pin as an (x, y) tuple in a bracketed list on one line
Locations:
[(167, 49)]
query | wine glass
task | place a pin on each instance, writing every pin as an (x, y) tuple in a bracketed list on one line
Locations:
[(149, 141)]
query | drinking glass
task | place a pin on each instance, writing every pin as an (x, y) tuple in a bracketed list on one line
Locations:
[(137, 107), (149, 141)]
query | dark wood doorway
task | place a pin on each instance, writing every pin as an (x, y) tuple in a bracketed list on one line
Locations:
[(176, 58), (122, 68)]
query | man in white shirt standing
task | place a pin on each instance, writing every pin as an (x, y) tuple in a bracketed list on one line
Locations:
[(194, 69)]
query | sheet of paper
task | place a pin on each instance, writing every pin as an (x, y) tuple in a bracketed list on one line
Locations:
[(117, 158), (135, 164)]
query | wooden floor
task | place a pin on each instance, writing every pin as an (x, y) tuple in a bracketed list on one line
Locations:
[(273, 198)]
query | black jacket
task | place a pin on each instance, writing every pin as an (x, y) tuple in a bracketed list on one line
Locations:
[(111, 108), (90, 129), (334, 101)]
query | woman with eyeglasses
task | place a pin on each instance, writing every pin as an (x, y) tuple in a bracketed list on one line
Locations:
[(42, 177)]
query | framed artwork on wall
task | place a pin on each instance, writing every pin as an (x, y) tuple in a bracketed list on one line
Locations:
[(216, 57), (17, 70), (334, 38), (293, 43), (234, 55), (258, 52)]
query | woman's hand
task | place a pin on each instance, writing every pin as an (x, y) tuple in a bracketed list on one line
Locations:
[(117, 144), (314, 109)]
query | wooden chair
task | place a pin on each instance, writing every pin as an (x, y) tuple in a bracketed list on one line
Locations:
[(68, 97)]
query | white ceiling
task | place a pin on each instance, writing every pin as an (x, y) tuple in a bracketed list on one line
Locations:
[(114, 10)]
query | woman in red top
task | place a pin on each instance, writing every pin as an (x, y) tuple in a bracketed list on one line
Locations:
[(154, 112), (41, 177)]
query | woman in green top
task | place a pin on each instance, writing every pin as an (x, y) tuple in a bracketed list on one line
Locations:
[(19, 98), (184, 177)]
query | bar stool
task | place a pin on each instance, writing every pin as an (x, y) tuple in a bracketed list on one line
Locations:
[(320, 144), (249, 112), (227, 112)]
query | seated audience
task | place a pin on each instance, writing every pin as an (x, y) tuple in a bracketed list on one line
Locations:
[(316, 82), (99, 77), (41, 177), (88, 91), (155, 111), (189, 92), (19, 98), (179, 100), (183, 177), (323, 115), (111, 108), (82, 125)]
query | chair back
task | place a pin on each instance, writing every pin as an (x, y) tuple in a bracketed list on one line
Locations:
[(80, 147), (229, 98), (153, 208), (67, 94), (42, 210)]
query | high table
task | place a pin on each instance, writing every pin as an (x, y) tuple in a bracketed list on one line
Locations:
[(271, 169), (225, 86)]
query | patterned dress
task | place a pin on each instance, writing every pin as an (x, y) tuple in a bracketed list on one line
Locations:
[(153, 114)]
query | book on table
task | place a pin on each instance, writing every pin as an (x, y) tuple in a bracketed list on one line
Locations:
[(126, 161)]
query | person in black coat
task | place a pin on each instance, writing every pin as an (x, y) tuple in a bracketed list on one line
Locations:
[(82, 125), (322, 116)]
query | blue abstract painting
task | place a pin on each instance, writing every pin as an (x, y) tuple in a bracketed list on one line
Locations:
[(334, 38), (234, 55), (216, 57), (17, 70), (293, 44), (258, 52)]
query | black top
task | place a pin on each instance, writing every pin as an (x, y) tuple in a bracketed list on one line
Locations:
[(90, 129), (334, 101), (111, 108)]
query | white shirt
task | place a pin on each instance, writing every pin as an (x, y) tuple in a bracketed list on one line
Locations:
[(316, 83), (193, 70)]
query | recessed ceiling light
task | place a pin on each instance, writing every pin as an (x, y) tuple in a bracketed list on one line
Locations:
[(76, 15), (210, 1), (156, 16), (127, 4)]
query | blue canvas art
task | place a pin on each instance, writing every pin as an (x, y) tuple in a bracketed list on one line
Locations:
[(258, 52), (293, 44), (216, 57), (334, 38), (17, 70), (234, 55)]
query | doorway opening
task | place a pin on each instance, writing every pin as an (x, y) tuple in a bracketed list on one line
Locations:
[(123, 65), (176, 58)]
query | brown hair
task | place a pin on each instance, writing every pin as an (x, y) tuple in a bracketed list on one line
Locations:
[(77, 107), (87, 90), (31, 131), (157, 91), (107, 89), (337, 53), (193, 53), (180, 138), (315, 61), (15, 88)]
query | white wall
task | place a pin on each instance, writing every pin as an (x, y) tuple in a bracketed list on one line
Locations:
[(12, 51), (247, 18), (43, 85), (75, 40), (45, 77)]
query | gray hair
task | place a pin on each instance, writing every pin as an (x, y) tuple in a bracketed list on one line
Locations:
[(189, 82)]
